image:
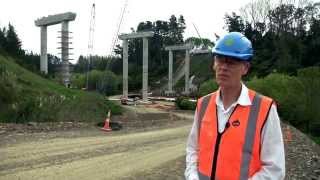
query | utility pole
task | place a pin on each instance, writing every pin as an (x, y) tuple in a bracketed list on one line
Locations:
[(90, 42)]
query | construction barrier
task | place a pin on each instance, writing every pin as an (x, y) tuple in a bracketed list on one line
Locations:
[(106, 126)]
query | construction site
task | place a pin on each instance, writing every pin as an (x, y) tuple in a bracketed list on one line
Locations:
[(134, 122), (147, 142)]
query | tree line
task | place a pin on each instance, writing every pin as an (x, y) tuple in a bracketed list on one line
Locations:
[(10, 44), (285, 66), (285, 38), (165, 33)]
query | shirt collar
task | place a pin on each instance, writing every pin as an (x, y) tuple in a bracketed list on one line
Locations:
[(243, 100)]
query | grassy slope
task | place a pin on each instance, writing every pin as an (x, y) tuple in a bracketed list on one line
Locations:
[(40, 99)]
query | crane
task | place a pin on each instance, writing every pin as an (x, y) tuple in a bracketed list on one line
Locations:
[(198, 33), (120, 21), (90, 42)]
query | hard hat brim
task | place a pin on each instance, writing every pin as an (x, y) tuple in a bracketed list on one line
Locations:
[(243, 57)]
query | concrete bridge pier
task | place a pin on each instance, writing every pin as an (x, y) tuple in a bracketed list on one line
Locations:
[(65, 52), (43, 50), (187, 48), (144, 36), (145, 69), (125, 69), (43, 22), (187, 72)]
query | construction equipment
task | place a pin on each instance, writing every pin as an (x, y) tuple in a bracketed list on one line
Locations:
[(90, 42)]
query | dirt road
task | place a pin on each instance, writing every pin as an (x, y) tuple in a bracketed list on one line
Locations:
[(151, 146), (104, 156)]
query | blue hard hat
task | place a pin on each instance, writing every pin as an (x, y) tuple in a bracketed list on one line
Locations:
[(234, 44)]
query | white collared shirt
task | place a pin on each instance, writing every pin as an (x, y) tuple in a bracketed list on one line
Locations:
[(272, 149)]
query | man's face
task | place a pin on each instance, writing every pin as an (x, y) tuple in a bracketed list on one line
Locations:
[(229, 71)]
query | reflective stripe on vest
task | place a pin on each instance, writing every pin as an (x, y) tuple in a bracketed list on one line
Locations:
[(238, 153)]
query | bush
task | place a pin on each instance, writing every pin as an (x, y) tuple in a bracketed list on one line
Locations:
[(309, 80), (105, 82), (298, 98), (8, 87), (185, 104), (207, 87), (108, 84), (78, 80), (284, 90)]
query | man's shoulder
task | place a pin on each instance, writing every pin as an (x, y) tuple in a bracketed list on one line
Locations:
[(208, 96)]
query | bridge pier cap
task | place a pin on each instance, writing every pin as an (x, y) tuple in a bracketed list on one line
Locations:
[(136, 35), (55, 19)]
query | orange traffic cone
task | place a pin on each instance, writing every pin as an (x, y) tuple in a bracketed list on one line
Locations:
[(106, 126)]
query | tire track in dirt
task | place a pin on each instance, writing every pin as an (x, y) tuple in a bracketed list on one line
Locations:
[(99, 157)]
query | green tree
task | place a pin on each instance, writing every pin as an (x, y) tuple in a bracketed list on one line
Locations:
[(309, 78), (165, 33), (312, 40), (81, 65), (13, 45), (234, 22), (3, 40), (200, 42)]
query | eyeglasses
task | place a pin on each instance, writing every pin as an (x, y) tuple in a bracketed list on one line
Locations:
[(230, 61)]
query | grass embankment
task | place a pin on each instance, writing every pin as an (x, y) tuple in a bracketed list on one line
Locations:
[(25, 96)]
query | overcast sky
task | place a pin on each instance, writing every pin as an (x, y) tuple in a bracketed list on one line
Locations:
[(207, 15)]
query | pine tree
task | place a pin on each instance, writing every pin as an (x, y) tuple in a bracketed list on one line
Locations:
[(13, 42), (3, 40)]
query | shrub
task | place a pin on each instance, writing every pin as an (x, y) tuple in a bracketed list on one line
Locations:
[(207, 87), (298, 98), (108, 84), (185, 103), (8, 87), (78, 80), (284, 90), (309, 80), (105, 82)]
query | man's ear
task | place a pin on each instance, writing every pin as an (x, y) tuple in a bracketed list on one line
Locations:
[(246, 68), (213, 65)]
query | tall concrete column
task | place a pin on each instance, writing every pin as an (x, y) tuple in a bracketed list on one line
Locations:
[(43, 49), (65, 52), (43, 22), (170, 72), (125, 38), (145, 70), (187, 72), (125, 68)]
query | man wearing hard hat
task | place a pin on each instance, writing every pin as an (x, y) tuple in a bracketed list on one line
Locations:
[(236, 133)]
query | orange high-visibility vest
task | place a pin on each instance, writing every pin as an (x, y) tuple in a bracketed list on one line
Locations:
[(233, 154)]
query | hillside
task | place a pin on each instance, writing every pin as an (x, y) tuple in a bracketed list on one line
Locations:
[(25, 96)]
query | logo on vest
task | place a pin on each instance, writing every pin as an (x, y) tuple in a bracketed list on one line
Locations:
[(236, 123)]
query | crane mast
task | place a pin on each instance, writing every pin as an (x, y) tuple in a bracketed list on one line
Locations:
[(90, 42)]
